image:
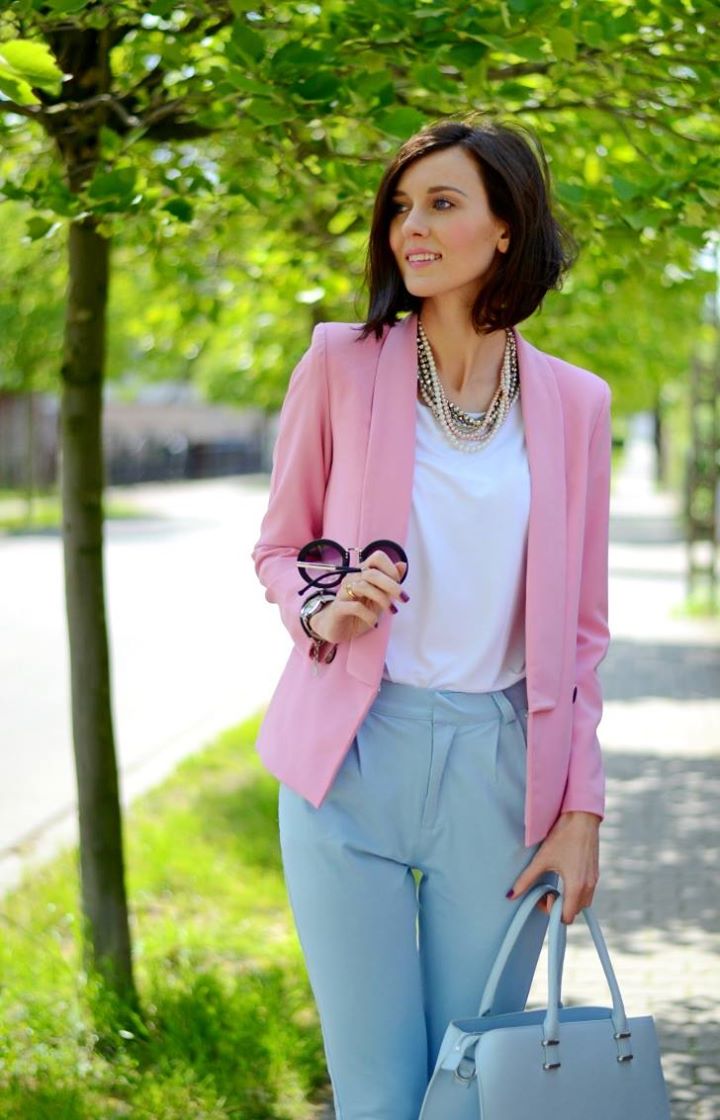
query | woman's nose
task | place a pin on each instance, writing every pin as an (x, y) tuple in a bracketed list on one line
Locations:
[(414, 222)]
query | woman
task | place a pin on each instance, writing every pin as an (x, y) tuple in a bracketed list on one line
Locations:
[(434, 730)]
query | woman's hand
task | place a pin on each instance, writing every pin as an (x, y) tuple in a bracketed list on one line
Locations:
[(571, 848), (375, 589)]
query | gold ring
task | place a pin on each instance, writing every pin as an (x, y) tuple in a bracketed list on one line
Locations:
[(349, 593)]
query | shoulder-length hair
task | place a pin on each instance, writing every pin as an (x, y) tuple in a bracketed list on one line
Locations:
[(514, 171)]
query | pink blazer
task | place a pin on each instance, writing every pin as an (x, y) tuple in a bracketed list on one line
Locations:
[(343, 468)]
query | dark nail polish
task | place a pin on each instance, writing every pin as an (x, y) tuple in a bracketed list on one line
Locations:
[(404, 596), (509, 893), (393, 608)]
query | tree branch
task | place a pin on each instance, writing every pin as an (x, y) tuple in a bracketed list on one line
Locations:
[(66, 108), (32, 112)]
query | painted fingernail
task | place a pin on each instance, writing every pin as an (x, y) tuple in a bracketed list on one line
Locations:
[(404, 596), (510, 893), (393, 608)]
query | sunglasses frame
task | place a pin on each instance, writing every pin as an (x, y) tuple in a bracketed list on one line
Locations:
[(327, 579)]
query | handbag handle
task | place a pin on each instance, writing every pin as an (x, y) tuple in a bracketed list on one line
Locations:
[(556, 947), (522, 913)]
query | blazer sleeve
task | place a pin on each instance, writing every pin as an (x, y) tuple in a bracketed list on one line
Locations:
[(301, 462), (585, 788)]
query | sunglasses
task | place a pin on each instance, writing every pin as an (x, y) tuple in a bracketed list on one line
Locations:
[(332, 561)]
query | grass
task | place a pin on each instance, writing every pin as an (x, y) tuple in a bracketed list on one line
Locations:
[(229, 1028), (701, 604), (47, 514)]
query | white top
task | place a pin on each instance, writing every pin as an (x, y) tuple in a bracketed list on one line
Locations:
[(464, 626)]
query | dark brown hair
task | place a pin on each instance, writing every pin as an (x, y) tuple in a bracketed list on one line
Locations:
[(514, 171)]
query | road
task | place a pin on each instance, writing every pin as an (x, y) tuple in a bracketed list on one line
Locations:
[(194, 649)]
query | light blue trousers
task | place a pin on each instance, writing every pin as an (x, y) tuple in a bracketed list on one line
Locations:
[(435, 781)]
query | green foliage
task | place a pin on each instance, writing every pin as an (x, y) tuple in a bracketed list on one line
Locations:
[(241, 148), (24, 65), (228, 1026)]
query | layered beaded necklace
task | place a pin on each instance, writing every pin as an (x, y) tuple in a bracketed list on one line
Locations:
[(464, 431)]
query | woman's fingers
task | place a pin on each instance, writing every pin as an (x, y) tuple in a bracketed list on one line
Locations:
[(380, 562), (356, 608), (374, 587), (379, 579), (368, 589)]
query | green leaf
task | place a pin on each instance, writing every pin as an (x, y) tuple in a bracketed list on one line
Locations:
[(431, 78), (32, 62), (295, 57), (117, 185), (180, 208), (110, 141), (692, 235), (711, 197), (624, 189), (68, 6), (570, 192), (37, 227), (239, 80), (247, 42), (467, 53), (317, 87), (563, 43), (267, 112), (17, 90), (341, 221), (639, 219), (400, 122), (530, 47), (593, 169)]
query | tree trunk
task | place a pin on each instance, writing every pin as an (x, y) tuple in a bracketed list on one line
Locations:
[(29, 456), (107, 937)]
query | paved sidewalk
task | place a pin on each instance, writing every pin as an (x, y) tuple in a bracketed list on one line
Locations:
[(658, 900)]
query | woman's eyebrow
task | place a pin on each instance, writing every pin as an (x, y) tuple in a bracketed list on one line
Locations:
[(433, 190)]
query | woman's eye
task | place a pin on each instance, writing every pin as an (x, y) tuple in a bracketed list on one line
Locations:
[(398, 207)]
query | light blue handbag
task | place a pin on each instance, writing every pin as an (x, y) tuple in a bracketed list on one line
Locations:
[(559, 1063)]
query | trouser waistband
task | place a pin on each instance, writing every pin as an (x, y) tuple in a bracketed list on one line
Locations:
[(409, 700)]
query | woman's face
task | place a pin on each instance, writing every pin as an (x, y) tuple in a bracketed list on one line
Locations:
[(440, 207)]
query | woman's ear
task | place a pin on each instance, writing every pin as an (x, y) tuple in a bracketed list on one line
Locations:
[(504, 241)]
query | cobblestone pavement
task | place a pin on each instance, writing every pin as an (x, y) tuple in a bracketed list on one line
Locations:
[(658, 900)]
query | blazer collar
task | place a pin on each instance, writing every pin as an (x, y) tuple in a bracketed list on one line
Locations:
[(387, 493)]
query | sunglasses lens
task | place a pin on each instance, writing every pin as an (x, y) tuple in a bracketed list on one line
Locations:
[(391, 550), (325, 553)]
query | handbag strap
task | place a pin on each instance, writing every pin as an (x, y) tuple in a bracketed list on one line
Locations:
[(512, 941), (556, 945)]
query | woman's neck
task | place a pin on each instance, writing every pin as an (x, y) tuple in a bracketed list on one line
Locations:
[(468, 363)]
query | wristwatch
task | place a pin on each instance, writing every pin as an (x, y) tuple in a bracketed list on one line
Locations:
[(310, 607), (319, 647)]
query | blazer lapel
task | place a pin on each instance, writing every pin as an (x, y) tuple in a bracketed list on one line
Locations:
[(547, 529), (389, 467), (387, 494)]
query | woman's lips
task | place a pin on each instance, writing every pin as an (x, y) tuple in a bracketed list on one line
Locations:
[(423, 263)]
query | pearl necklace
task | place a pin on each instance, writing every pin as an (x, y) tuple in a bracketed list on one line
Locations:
[(466, 432)]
